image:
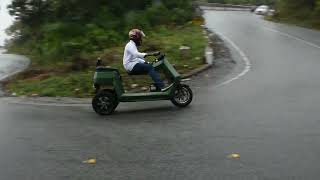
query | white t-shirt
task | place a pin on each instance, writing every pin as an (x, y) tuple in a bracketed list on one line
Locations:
[(132, 56)]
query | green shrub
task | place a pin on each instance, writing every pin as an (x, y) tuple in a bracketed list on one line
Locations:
[(63, 28), (137, 19)]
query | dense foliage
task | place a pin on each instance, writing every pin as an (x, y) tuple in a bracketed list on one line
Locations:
[(55, 81), (55, 30), (305, 12), (63, 38)]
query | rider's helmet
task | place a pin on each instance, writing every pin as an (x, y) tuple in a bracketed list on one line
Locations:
[(136, 35)]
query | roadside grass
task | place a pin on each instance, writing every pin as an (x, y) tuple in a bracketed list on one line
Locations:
[(61, 79)]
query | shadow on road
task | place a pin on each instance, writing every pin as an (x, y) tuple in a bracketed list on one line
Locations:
[(143, 114)]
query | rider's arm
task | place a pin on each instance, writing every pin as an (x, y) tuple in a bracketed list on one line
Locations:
[(141, 60), (152, 54), (136, 54)]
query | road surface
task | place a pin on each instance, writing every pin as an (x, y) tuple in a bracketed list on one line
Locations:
[(267, 111)]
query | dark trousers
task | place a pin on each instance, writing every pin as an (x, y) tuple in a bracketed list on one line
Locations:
[(142, 68)]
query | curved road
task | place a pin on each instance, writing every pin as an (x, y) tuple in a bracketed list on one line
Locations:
[(267, 111)]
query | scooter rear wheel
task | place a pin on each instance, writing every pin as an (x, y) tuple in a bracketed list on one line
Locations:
[(183, 96), (104, 103)]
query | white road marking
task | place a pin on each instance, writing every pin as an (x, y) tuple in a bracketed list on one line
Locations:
[(293, 37), (243, 56)]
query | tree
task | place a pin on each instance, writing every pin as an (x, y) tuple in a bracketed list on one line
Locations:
[(55, 27)]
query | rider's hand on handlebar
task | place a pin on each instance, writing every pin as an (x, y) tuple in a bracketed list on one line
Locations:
[(153, 54), (156, 53)]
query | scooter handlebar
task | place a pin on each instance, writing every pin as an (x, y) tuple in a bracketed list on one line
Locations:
[(161, 57), (99, 62)]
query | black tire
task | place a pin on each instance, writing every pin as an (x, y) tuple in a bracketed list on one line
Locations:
[(183, 96), (104, 103)]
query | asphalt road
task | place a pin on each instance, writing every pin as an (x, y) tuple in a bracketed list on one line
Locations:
[(266, 110)]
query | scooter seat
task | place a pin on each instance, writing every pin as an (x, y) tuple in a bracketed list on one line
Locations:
[(106, 69)]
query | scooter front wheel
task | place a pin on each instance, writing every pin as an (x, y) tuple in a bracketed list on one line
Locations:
[(182, 96), (104, 103)]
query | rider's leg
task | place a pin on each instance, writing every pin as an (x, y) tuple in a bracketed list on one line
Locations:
[(147, 68)]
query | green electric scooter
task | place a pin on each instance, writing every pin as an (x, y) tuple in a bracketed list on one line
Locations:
[(110, 91)]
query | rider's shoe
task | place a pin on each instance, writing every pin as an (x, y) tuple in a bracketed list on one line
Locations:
[(166, 88), (154, 89)]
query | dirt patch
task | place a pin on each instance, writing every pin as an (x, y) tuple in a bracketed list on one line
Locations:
[(39, 77)]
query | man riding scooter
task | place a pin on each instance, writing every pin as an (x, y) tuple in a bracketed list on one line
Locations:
[(133, 60), (109, 85)]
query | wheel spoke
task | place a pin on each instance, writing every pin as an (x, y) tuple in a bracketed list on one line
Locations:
[(182, 95), (103, 107), (104, 103)]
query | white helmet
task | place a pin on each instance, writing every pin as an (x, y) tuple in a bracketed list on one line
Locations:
[(136, 34)]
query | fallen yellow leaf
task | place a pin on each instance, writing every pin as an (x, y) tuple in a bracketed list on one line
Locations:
[(234, 156), (90, 161)]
